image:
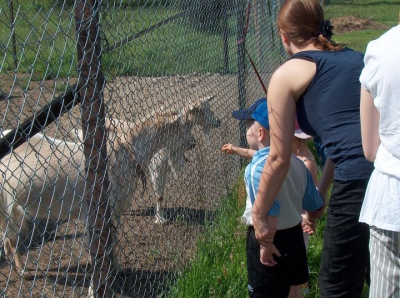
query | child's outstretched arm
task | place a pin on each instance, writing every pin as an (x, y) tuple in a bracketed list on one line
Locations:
[(243, 152)]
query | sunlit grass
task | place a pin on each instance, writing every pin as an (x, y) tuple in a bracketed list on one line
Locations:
[(45, 42), (219, 268), (45, 37)]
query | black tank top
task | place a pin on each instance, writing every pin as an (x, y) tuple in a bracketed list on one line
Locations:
[(330, 110)]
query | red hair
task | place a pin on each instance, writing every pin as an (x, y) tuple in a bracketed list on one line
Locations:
[(302, 20)]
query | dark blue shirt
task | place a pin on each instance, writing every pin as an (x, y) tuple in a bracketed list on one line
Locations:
[(330, 110)]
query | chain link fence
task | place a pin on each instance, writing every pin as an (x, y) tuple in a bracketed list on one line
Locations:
[(113, 116)]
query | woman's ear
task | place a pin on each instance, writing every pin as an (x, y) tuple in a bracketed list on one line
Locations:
[(285, 39)]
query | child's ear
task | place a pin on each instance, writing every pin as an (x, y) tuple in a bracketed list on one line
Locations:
[(261, 134)]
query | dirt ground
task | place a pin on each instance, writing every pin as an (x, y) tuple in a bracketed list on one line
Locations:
[(149, 254), (353, 23)]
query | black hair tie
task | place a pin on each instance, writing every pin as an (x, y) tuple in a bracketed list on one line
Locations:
[(325, 28)]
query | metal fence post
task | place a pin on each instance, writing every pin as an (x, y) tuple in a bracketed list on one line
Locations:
[(225, 33), (241, 67), (91, 84), (12, 26)]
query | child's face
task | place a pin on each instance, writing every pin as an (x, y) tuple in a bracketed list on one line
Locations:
[(252, 134)]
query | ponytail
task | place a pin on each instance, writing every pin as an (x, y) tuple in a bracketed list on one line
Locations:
[(324, 43), (323, 40)]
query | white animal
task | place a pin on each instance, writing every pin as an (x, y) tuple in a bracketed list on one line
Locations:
[(45, 178), (172, 158), (196, 112)]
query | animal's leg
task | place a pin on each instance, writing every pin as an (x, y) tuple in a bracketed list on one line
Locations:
[(160, 212), (10, 249), (3, 259), (88, 239), (90, 290), (159, 169)]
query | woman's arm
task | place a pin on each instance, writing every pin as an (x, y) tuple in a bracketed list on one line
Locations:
[(285, 87), (311, 165), (324, 184), (311, 217), (326, 177), (369, 125)]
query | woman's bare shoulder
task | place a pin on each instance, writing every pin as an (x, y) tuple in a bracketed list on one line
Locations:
[(295, 74), (298, 67)]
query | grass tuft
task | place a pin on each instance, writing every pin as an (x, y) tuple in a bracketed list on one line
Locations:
[(219, 268)]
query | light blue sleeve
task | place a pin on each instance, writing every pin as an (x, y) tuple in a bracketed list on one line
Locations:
[(276, 206), (275, 209), (312, 200)]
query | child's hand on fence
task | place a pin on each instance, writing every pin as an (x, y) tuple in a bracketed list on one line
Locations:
[(228, 148)]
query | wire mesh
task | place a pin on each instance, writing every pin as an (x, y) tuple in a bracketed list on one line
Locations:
[(173, 73)]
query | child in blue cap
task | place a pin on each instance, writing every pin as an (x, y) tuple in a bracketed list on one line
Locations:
[(282, 276)]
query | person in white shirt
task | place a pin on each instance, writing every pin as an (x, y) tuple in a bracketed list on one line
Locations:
[(380, 128)]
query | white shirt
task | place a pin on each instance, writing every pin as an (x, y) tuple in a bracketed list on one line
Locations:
[(298, 191), (380, 76)]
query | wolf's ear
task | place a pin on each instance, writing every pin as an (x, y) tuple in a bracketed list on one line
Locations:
[(174, 118), (192, 104), (208, 98), (198, 102), (186, 112)]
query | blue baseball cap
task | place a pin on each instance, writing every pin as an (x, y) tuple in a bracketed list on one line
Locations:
[(258, 111)]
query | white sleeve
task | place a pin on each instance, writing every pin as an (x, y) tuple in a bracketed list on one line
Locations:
[(369, 76)]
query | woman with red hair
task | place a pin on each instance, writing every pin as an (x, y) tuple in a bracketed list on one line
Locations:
[(320, 84)]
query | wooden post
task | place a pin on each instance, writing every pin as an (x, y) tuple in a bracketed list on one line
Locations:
[(91, 84)]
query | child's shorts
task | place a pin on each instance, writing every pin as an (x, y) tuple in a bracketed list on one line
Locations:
[(291, 270)]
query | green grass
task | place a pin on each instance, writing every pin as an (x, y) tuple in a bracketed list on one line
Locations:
[(219, 268), (314, 257), (45, 39), (358, 40), (45, 42)]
